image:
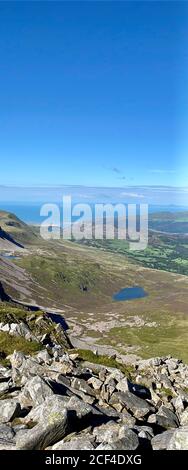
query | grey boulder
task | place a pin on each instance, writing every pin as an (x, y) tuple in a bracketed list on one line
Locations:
[(126, 385), (45, 433), (9, 409), (6, 437), (77, 443), (164, 418), (184, 418), (35, 391), (139, 407), (179, 440), (130, 441)]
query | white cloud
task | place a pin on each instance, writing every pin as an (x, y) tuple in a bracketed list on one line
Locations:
[(131, 195)]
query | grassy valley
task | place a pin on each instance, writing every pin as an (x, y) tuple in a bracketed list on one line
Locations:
[(79, 281), (167, 247)]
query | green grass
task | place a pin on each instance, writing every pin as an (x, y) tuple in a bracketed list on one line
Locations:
[(168, 253), (169, 337), (8, 344), (63, 271), (166, 391), (10, 312), (87, 355), (69, 278)]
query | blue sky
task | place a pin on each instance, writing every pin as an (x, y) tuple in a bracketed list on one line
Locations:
[(93, 93)]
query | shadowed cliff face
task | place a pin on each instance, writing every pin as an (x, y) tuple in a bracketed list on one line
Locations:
[(6, 237), (3, 296)]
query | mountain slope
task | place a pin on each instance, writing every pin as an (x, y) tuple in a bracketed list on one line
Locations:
[(79, 282), (7, 242), (18, 231)]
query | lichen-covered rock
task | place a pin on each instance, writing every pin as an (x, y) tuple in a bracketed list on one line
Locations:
[(179, 439), (9, 409), (139, 407), (50, 405), (4, 387), (64, 403), (44, 357), (108, 432), (164, 418), (161, 441), (184, 418), (55, 404), (126, 385), (6, 432), (51, 430), (82, 385), (130, 441), (76, 443), (35, 391), (178, 404)]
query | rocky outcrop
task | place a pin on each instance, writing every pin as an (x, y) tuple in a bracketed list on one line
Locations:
[(60, 402), (33, 326)]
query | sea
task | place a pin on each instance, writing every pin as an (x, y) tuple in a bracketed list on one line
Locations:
[(30, 212)]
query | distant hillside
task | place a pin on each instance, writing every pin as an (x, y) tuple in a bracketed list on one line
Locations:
[(171, 222), (15, 230)]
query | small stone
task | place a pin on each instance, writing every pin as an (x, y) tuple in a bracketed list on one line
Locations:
[(82, 385), (102, 374), (178, 405), (127, 418), (4, 387), (96, 383), (6, 432), (74, 356), (44, 357), (148, 431)]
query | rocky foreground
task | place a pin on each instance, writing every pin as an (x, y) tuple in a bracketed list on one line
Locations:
[(53, 399)]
